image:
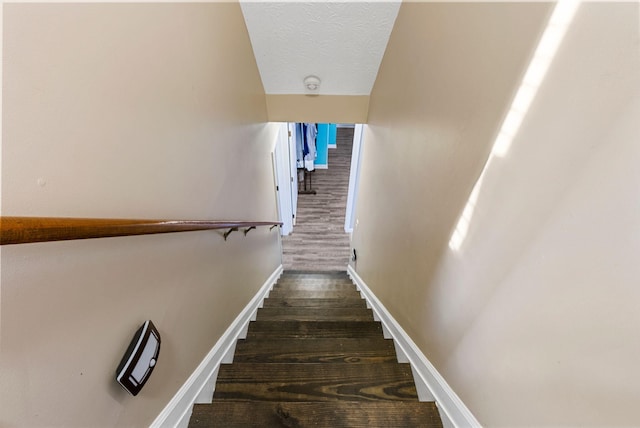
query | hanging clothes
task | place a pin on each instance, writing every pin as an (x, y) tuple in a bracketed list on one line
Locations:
[(310, 153), (299, 146)]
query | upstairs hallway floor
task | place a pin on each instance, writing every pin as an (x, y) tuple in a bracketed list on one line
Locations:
[(318, 241)]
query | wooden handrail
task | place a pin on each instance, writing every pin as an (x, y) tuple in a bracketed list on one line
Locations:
[(23, 230)]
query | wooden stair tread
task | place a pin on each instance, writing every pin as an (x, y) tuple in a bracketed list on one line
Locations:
[(312, 274), (315, 329), (315, 382), (314, 282), (314, 294), (292, 285), (343, 414), (354, 302), (352, 351), (312, 314)]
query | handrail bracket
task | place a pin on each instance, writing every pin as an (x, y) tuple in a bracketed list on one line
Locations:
[(228, 232)]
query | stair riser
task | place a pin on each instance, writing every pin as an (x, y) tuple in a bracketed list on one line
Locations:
[(313, 274), (356, 302), (351, 351), (314, 314), (335, 294), (314, 287), (289, 283), (337, 358), (309, 329)]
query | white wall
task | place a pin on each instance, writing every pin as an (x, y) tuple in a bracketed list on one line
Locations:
[(126, 111), (533, 322)]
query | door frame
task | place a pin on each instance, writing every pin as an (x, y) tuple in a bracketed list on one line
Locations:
[(282, 179), (354, 178)]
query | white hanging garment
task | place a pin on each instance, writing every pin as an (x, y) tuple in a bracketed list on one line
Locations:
[(299, 146), (309, 159)]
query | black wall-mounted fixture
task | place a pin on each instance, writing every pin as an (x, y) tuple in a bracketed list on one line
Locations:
[(140, 359)]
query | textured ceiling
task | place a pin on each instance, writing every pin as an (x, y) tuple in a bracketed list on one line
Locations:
[(340, 42)]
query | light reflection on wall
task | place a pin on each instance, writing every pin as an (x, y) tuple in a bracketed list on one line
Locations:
[(554, 32)]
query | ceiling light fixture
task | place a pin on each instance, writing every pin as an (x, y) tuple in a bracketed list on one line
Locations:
[(312, 83)]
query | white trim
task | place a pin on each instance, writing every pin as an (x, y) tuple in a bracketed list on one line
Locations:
[(332, 146), (280, 157), (325, 166), (180, 406), (354, 174), (293, 170), (450, 405)]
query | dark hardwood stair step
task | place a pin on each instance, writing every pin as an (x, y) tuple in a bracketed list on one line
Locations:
[(314, 357), (315, 382), (314, 294), (343, 414), (316, 278), (352, 351), (354, 302), (314, 314), (314, 329), (313, 274), (310, 286)]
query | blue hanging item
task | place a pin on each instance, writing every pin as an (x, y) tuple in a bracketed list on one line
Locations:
[(299, 146)]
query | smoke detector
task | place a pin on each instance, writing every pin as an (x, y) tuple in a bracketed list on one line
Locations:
[(312, 83)]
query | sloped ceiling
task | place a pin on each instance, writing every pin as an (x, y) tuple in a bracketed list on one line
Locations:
[(340, 42)]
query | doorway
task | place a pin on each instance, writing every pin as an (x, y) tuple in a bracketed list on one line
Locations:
[(318, 240)]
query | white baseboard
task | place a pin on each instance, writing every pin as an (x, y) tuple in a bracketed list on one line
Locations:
[(322, 166), (452, 410), (178, 411), (332, 146)]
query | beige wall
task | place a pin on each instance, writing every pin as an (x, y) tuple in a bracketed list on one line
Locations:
[(533, 322), (125, 110), (318, 108)]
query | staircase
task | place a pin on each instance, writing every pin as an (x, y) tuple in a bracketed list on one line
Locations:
[(315, 357)]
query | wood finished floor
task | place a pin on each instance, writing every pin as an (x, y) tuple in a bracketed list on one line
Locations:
[(318, 241)]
